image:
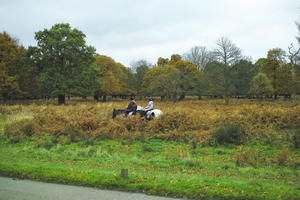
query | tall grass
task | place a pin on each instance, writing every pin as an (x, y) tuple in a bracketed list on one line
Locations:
[(187, 120)]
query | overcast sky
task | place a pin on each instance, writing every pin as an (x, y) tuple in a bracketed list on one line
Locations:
[(128, 30)]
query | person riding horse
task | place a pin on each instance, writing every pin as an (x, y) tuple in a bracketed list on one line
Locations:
[(149, 107), (131, 108), (148, 112)]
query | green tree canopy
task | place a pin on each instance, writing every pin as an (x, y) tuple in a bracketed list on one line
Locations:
[(261, 85), (242, 74), (64, 61)]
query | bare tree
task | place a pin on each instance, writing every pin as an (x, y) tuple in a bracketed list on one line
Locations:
[(200, 56), (293, 54), (227, 52)]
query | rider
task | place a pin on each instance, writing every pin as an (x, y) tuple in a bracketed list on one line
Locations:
[(132, 106), (149, 107)]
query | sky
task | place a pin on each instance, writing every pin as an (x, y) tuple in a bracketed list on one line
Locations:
[(129, 30)]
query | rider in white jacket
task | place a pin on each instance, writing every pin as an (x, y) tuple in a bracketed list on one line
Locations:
[(150, 106)]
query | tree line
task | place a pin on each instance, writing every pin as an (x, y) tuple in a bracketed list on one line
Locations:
[(62, 64)]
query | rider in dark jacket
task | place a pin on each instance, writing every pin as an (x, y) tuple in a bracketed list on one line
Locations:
[(132, 106)]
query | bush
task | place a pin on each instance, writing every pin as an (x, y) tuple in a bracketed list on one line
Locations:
[(89, 124), (296, 139), (229, 134), (173, 121), (21, 128), (45, 142), (248, 157), (283, 157), (111, 130)]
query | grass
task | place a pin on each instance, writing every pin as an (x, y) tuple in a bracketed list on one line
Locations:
[(170, 157), (167, 169)]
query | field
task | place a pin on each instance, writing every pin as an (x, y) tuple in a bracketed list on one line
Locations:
[(197, 149)]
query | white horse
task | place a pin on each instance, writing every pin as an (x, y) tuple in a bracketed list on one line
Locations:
[(151, 114)]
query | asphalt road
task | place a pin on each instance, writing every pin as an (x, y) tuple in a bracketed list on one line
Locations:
[(17, 189)]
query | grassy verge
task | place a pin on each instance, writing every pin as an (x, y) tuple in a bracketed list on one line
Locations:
[(159, 167)]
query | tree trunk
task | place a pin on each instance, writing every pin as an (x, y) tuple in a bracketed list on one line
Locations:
[(61, 99), (96, 97), (199, 97), (162, 98), (174, 97), (104, 98), (226, 100)]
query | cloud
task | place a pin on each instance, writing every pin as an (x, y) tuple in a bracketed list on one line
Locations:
[(129, 30)]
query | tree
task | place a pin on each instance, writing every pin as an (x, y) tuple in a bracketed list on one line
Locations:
[(175, 58), (178, 78), (10, 55), (215, 78), (200, 56), (162, 61), (28, 71), (261, 85), (278, 71), (114, 78), (162, 81), (188, 73), (227, 52), (64, 61), (140, 67), (242, 74)]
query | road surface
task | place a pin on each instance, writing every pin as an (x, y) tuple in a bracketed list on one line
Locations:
[(17, 189)]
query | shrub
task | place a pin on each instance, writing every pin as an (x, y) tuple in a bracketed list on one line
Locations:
[(229, 134), (133, 123), (247, 157), (111, 130), (21, 128), (89, 124), (172, 121), (147, 148), (44, 142), (283, 157), (296, 139)]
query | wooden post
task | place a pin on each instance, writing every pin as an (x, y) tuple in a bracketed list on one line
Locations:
[(124, 173)]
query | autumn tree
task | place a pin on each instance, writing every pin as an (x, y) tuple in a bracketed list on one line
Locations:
[(9, 57), (162, 61), (175, 58), (278, 71), (180, 75), (188, 77), (114, 78), (64, 61)]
